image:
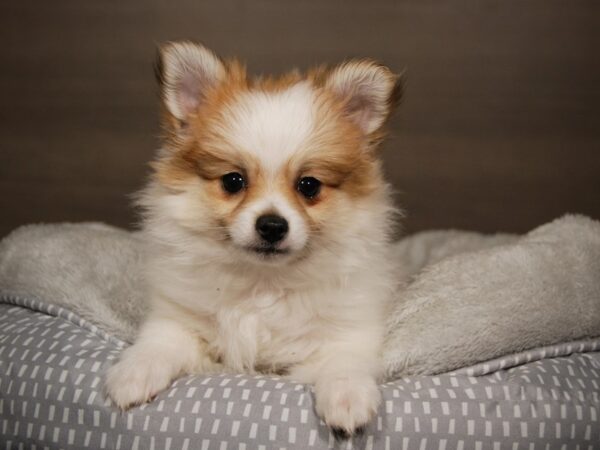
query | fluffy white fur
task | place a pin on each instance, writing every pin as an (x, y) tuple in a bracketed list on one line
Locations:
[(275, 126), (316, 314)]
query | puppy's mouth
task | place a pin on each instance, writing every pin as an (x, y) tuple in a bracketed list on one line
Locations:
[(268, 251)]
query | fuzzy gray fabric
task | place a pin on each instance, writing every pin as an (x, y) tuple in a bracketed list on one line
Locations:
[(515, 293), (91, 269), (467, 297)]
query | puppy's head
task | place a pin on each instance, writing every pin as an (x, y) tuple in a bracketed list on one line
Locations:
[(269, 169)]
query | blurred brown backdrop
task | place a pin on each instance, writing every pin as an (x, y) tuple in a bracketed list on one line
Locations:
[(499, 130)]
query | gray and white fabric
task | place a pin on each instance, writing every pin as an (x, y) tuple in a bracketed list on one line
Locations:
[(52, 363)]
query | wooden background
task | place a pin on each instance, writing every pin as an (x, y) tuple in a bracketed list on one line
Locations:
[(499, 130)]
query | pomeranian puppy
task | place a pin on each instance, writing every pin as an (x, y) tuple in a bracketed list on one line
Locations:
[(268, 225)]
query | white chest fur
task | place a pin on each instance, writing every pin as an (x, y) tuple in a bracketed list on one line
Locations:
[(266, 331)]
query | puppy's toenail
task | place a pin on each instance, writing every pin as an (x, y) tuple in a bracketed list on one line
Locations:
[(340, 434)]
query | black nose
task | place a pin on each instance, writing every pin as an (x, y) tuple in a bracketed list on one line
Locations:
[(271, 228)]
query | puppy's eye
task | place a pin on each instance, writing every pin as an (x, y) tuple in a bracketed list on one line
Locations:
[(233, 182), (309, 187)]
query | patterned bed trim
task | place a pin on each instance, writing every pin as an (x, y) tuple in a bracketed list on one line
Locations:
[(58, 311), (528, 356)]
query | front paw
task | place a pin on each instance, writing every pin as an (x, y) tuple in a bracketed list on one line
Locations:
[(137, 378), (347, 404)]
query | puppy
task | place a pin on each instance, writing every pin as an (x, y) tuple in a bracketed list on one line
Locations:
[(268, 226)]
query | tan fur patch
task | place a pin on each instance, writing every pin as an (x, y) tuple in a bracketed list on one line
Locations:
[(338, 153)]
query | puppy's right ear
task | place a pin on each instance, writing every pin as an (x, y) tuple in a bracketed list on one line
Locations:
[(186, 72)]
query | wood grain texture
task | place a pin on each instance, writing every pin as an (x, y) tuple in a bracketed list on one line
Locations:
[(499, 128)]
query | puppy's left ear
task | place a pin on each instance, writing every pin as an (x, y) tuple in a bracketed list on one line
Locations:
[(369, 91)]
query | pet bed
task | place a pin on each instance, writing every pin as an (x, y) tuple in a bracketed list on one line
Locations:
[(522, 369)]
